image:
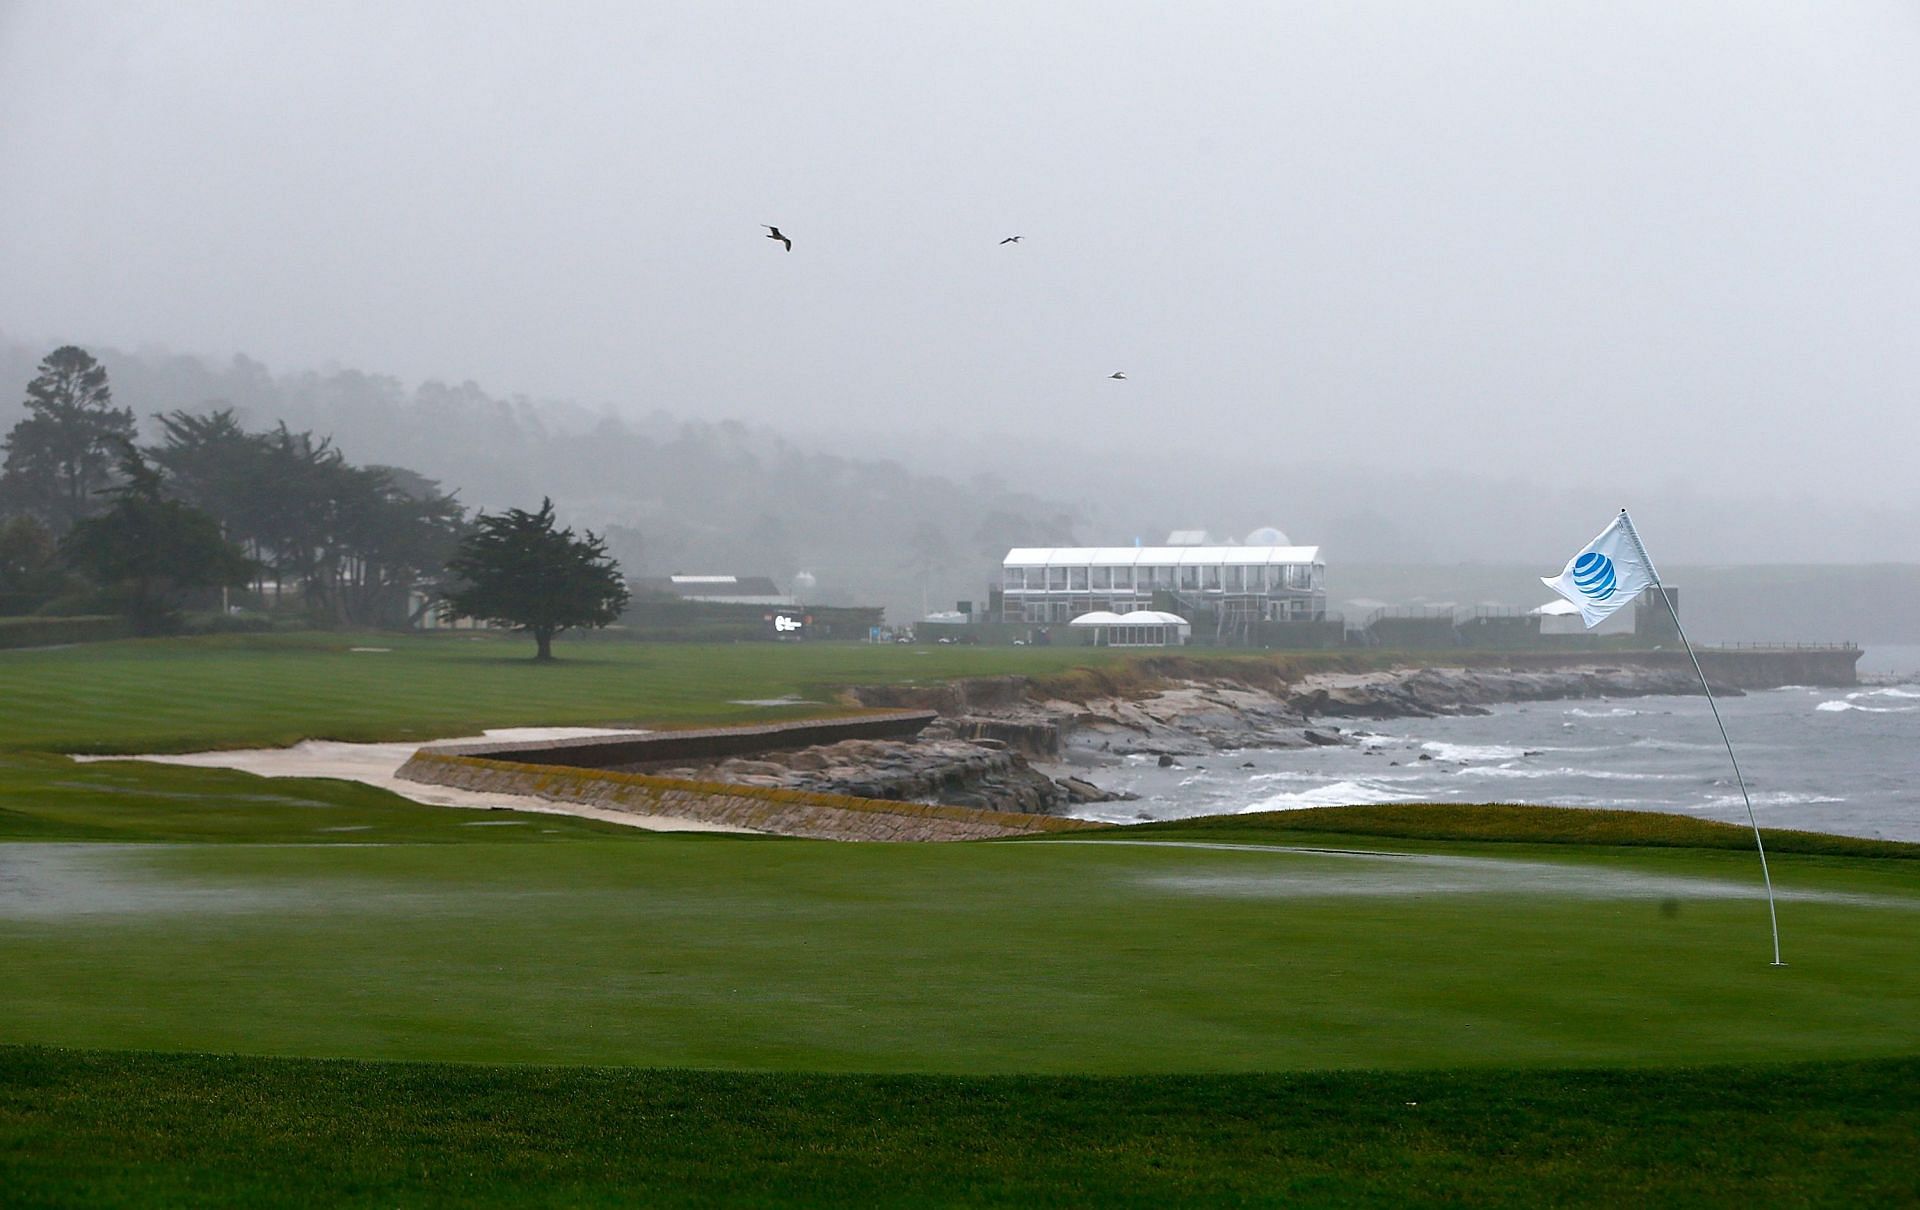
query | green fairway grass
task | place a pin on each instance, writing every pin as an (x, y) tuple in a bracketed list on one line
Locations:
[(48, 797), (92, 1129), (234, 691), (664, 950), (178, 695), (1376, 1005)]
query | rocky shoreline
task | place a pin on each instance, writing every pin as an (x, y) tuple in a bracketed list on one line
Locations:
[(1000, 742)]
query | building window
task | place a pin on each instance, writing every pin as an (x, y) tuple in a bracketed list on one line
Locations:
[(1235, 578), (1102, 578), (1212, 578), (1016, 577), (1122, 579), (1190, 577), (1077, 579), (1057, 579)]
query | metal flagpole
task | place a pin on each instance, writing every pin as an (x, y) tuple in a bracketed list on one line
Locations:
[(1773, 915)]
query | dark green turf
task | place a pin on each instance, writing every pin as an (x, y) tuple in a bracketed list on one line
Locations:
[(177, 695), (1514, 822), (319, 918), (1010, 957), (44, 797), (96, 1129)]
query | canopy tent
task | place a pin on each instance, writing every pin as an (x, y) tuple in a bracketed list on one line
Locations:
[(1141, 628)]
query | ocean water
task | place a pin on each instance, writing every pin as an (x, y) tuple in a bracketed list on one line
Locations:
[(1827, 760)]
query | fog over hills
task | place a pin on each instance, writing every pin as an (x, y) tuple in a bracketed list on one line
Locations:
[(881, 518)]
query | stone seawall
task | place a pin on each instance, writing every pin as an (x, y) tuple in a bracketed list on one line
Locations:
[(644, 748), (763, 809)]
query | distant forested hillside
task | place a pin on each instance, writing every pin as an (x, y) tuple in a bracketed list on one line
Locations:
[(672, 494), (697, 495)]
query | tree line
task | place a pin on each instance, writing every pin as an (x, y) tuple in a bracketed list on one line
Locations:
[(90, 517)]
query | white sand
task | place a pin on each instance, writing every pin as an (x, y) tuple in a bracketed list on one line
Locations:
[(376, 764)]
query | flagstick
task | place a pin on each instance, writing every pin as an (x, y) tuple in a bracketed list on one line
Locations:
[(1712, 705)]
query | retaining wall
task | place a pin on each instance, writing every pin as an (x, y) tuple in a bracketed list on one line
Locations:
[(764, 809), (711, 743)]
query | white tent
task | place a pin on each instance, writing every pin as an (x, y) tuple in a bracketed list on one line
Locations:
[(1141, 628), (1561, 616)]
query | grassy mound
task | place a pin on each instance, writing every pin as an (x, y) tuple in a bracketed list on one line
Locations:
[(99, 1129), (1516, 823)]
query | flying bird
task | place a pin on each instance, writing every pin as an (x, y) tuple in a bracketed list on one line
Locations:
[(773, 232), (1119, 375), (1013, 239)]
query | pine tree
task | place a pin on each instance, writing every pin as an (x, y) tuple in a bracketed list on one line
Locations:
[(63, 452), (516, 569)]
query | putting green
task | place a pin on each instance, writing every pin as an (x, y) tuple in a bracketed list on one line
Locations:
[(1006, 957)]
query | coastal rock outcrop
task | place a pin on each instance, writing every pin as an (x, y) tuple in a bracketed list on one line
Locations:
[(935, 768)]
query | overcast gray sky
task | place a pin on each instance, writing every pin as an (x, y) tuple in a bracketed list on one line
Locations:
[(1616, 243)]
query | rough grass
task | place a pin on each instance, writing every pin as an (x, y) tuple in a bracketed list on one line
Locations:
[(767, 954), (51, 798), (270, 690), (97, 1129), (176, 695), (1519, 824)]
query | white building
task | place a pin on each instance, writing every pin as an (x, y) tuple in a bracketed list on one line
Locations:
[(1264, 583)]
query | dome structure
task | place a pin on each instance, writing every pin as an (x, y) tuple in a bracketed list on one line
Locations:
[(1268, 535)]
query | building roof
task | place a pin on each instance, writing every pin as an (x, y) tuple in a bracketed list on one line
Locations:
[(710, 587), (1155, 556), (1141, 617)]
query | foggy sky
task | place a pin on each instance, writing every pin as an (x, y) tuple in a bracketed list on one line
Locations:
[(1602, 245)]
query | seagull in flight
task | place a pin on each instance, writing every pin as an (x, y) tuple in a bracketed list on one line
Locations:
[(773, 232), (1119, 375), (1013, 239)]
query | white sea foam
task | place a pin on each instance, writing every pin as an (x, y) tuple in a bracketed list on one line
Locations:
[(1674, 745), (1836, 706), (1592, 774), (1771, 798), (1615, 712), (1446, 751), (1336, 794)]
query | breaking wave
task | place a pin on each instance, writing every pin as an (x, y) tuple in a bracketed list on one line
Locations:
[(1840, 704), (1446, 751), (1337, 794), (1769, 798), (1570, 774)]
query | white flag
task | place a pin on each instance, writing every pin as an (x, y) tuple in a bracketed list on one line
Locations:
[(1611, 571)]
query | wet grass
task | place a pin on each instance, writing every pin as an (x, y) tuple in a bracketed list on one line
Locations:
[(235, 691), (48, 797), (96, 1129), (178, 695), (1379, 1031), (668, 950), (1514, 823)]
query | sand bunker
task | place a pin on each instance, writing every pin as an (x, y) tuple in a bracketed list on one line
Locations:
[(376, 764)]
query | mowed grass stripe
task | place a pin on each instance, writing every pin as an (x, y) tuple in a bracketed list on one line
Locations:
[(239, 691), (94, 1129), (169, 695), (785, 955)]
